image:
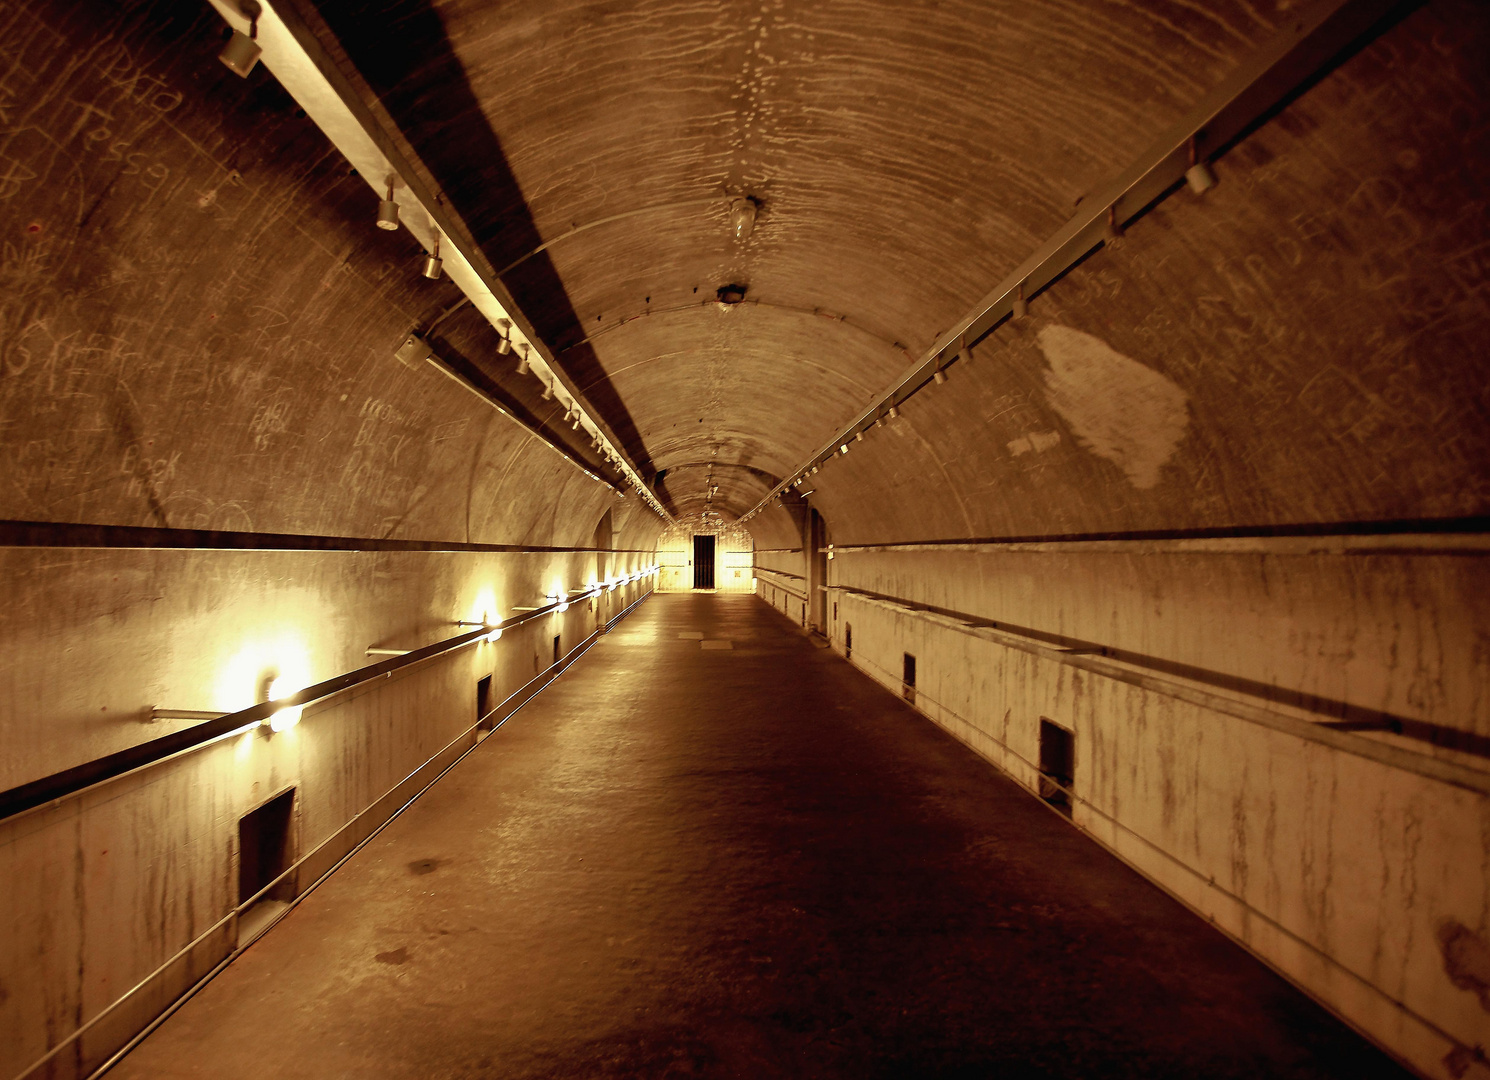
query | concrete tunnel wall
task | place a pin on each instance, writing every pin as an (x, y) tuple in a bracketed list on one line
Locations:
[(197, 328), (1304, 344)]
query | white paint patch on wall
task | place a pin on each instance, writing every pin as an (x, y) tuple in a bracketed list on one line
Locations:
[(1117, 408), (1034, 442)]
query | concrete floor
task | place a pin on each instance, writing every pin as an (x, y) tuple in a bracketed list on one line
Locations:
[(682, 860)]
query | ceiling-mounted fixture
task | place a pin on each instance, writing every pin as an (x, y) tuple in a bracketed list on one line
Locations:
[(1198, 176), (432, 261), (879, 421), (242, 50), (742, 217), (1020, 307), (843, 449), (859, 436), (1112, 232), (964, 350), (388, 209), (574, 424), (939, 376), (729, 295), (548, 391), (893, 413)]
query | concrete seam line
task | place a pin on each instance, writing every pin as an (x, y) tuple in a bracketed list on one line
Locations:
[(235, 912), (1403, 544), (1431, 768), (59, 534), (1204, 879)]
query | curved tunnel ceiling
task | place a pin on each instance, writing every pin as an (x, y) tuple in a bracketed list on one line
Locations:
[(904, 157)]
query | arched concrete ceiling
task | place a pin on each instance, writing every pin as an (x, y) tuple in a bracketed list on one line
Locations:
[(905, 157), (199, 320)]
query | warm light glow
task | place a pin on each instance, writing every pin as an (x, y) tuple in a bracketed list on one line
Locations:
[(289, 716), (265, 661)]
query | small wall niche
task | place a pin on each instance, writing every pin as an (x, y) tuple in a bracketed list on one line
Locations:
[(908, 678), (1057, 764), (483, 703), (266, 848)]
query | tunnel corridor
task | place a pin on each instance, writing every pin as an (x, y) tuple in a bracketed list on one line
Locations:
[(744, 537), (683, 861)]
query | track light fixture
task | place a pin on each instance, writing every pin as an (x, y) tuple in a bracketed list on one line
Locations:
[(1021, 306), (574, 426), (879, 421), (939, 376), (432, 262), (522, 364), (1113, 232), (964, 350), (388, 210), (242, 50), (859, 436), (548, 391), (504, 345), (843, 448), (1198, 176), (893, 413)]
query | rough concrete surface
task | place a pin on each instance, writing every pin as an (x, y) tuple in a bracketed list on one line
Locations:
[(746, 863)]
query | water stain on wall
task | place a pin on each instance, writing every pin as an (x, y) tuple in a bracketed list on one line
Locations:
[(1117, 408), (1466, 959)]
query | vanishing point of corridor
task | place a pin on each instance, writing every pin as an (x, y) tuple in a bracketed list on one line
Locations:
[(712, 848)]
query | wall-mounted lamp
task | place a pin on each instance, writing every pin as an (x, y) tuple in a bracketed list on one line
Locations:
[(287, 717), (432, 261), (242, 50), (1198, 176), (388, 209)]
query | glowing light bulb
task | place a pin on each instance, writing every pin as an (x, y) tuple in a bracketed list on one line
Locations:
[(289, 716)]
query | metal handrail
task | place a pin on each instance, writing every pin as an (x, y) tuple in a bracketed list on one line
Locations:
[(69, 782)]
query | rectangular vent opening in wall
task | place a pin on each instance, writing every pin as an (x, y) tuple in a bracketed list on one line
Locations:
[(483, 703), (265, 851), (1057, 764), (908, 679)]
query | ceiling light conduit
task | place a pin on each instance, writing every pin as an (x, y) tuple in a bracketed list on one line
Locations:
[(304, 56)]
